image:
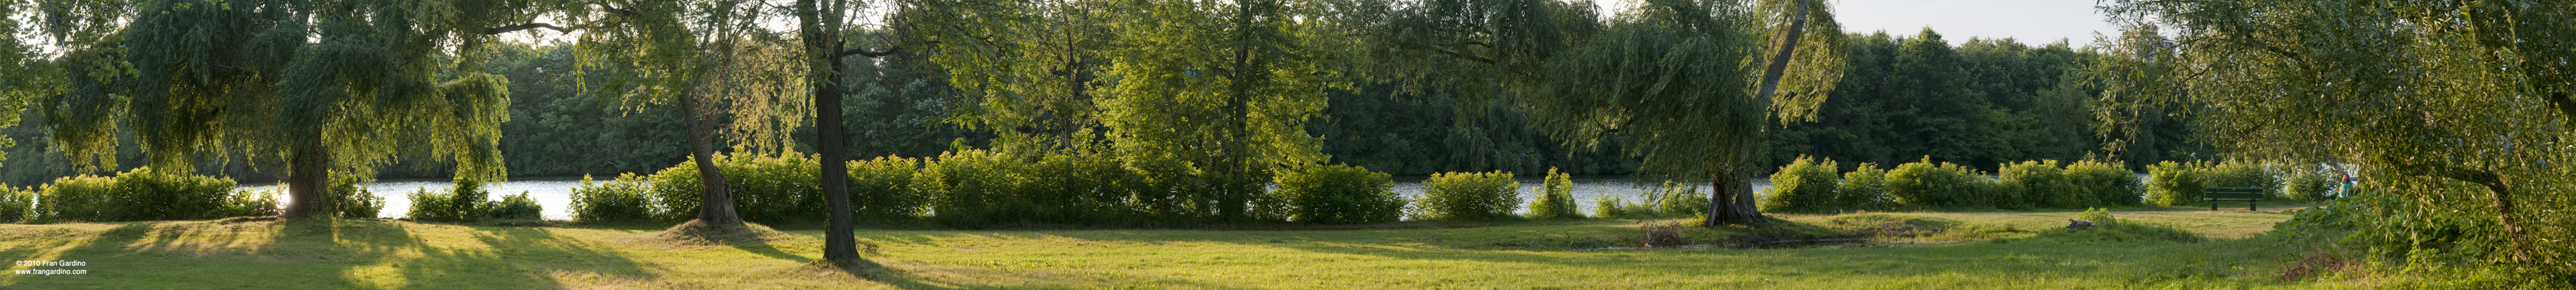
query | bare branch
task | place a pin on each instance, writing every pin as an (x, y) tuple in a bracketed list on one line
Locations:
[(869, 54), (532, 25)]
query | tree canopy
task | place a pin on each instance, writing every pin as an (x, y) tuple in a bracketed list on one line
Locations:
[(2465, 106), (315, 86)]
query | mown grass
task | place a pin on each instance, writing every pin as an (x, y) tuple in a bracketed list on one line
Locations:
[(1518, 255)]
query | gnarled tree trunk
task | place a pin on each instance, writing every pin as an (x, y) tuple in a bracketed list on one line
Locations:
[(715, 206), (1730, 199), (1731, 191)]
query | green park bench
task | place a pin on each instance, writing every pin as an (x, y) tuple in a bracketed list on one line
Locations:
[(2248, 194)]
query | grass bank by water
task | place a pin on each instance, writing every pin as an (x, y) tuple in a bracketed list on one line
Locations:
[(2007, 250)]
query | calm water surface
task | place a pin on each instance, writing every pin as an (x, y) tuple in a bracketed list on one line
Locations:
[(556, 192)]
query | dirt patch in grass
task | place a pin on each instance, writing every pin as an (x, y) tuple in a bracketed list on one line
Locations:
[(694, 234)]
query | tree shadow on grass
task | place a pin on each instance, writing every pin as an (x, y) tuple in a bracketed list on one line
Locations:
[(329, 254), (536, 256), (870, 270), (764, 248), (2050, 264)]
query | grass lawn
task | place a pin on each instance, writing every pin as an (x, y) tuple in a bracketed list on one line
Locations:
[(1514, 255)]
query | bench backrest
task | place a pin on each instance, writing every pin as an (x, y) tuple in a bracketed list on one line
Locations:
[(2234, 192)]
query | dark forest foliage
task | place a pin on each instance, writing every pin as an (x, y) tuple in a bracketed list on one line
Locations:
[(2004, 101)]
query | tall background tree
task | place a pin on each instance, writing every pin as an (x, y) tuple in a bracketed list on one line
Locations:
[(825, 27), (1220, 88)]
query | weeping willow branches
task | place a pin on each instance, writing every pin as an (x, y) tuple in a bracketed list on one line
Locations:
[(2464, 104)]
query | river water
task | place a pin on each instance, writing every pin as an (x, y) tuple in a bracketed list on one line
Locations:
[(555, 193)]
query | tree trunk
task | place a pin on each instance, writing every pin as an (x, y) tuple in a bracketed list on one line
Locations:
[(1717, 202), (1788, 47), (306, 188), (1231, 201), (2500, 195), (1730, 200), (839, 243), (716, 205), (2503, 204), (1731, 192)]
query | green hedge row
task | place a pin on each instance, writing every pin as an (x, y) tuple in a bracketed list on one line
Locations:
[(1340, 194), (146, 194), (1469, 196), (1808, 185), (977, 188), (467, 201), (16, 204), (140, 194), (2179, 184)]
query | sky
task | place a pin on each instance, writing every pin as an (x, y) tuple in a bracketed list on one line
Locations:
[(2033, 22)]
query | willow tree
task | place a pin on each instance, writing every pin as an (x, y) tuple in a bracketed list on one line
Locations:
[(1219, 88), (315, 86), (1692, 85), (1688, 85), (2465, 107), (711, 59), (1478, 49)]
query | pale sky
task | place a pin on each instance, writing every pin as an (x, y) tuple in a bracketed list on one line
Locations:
[(2033, 22)]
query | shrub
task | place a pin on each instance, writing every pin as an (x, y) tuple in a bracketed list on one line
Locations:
[(2099, 217), (1079, 189), (768, 190), (881, 189), (1924, 184), (776, 190), (1340, 194), (1679, 199), (251, 202), (463, 202), (2109, 229), (516, 207), (1863, 188), (2108, 184), (1469, 196), (145, 194), (2240, 174), (16, 205), (1612, 207), (966, 187), (2042, 184), (2173, 184), (625, 199), (1802, 186), (149, 194), (355, 201), (2307, 184), (78, 198), (1555, 198)]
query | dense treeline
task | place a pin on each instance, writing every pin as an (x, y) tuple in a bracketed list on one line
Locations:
[(1980, 103)]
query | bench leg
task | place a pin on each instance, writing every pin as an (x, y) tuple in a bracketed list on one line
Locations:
[(2249, 205), (2213, 205)]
